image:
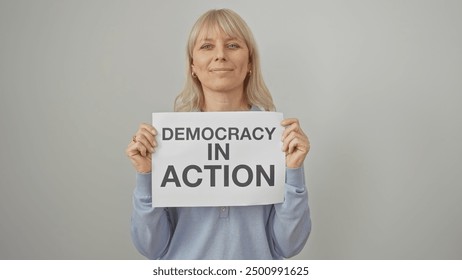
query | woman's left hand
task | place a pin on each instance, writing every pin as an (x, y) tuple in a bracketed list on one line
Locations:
[(295, 143)]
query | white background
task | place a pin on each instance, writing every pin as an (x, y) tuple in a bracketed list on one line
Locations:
[(376, 84)]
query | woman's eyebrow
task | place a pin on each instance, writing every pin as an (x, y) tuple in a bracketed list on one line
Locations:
[(226, 39), (233, 39)]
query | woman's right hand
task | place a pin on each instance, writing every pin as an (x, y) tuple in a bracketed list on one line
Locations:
[(141, 147)]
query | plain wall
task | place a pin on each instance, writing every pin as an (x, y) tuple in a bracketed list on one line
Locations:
[(377, 85)]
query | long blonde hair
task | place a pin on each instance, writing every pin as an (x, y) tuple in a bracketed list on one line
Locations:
[(191, 98)]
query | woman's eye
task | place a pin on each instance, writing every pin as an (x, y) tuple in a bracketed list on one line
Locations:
[(233, 46), (206, 46)]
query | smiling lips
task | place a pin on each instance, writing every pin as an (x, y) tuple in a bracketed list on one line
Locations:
[(221, 69)]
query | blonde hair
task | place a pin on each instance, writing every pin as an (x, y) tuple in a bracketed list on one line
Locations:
[(191, 98)]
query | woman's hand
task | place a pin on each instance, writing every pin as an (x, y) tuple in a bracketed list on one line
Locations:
[(141, 148), (295, 143)]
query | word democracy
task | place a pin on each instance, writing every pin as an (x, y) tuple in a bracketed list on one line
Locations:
[(219, 133)]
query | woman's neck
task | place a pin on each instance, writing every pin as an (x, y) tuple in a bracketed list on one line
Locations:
[(224, 101)]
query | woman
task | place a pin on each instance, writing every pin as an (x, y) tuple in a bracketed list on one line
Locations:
[(223, 75)]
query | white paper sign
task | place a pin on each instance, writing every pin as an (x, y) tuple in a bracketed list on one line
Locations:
[(218, 159)]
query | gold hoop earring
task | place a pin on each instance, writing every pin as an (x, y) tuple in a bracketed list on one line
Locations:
[(193, 75)]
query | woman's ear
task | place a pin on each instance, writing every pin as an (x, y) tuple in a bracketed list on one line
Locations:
[(193, 73)]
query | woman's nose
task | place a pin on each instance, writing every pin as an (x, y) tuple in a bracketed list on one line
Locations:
[(220, 54)]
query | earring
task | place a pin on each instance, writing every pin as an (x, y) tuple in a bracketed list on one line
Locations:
[(193, 75), (250, 72)]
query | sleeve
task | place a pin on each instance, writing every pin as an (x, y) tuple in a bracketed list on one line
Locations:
[(290, 220), (151, 228)]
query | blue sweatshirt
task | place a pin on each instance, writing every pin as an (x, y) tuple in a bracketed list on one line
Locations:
[(274, 231)]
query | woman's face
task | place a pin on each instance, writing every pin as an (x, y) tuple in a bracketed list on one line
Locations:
[(220, 62)]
